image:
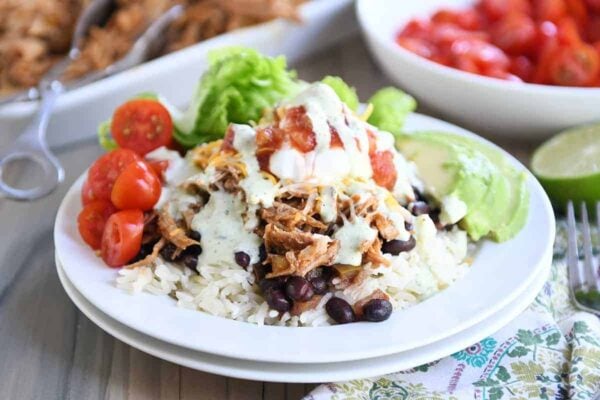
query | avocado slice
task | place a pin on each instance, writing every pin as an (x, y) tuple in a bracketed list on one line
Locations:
[(449, 169), (502, 210)]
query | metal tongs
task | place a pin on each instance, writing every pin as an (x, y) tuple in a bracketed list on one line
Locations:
[(31, 143)]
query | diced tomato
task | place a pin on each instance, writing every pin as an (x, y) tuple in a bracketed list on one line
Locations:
[(106, 169), (593, 29), (335, 142), (467, 19), (418, 46), (298, 128), (522, 67), (268, 140), (384, 171), (549, 10), (136, 187), (578, 11), (515, 34), (91, 221), (417, 28), (593, 5), (568, 32), (142, 125), (574, 66), (228, 140), (122, 238), (480, 54), (496, 9)]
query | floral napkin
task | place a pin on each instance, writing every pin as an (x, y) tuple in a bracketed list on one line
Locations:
[(551, 351)]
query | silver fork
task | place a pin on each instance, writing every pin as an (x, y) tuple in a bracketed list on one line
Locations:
[(584, 278), (31, 143)]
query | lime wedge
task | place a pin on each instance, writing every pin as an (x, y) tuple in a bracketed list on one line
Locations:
[(568, 166)]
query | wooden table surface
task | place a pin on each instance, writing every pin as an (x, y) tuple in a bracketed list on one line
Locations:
[(50, 350)]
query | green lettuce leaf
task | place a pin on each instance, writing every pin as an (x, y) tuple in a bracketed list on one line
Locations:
[(238, 86), (391, 106), (346, 93), (105, 138)]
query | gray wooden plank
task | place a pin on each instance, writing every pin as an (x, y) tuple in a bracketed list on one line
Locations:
[(197, 385), (240, 389), (274, 391), (117, 385)]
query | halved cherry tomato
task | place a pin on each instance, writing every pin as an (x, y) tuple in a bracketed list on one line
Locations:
[(516, 34), (91, 221), (106, 169), (142, 125), (384, 171), (574, 66), (87, 194), (136, 187), (159, 167), (122, 237)]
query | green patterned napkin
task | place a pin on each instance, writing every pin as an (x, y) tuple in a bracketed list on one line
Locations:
[(551, 351)]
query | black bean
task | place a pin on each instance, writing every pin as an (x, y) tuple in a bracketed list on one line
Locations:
[(298, 288), (408, 226), (419, 208), (242, 259), (194, 250), (274, 283), (277, 301), (168, 251), (195, 235), (145, 251), (340, 311), (377, 310), (395, 247), (189, 260), (319, 285), (418, 194), (262, 253)]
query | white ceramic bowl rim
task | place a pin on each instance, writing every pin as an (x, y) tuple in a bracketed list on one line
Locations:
[(364, 10), (463, 304)]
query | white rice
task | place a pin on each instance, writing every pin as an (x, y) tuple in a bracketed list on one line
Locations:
[(229, 291)]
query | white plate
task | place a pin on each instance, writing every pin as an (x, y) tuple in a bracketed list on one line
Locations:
[(304, 373), (500, 273), (495, 106), (175, 75)]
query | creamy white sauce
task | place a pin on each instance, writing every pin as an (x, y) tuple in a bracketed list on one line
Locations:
[(221, 224), (351, 235), (258, 188), (179, 168), (328, 203)]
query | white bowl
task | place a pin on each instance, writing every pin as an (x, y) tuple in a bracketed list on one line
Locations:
[(492, 106)]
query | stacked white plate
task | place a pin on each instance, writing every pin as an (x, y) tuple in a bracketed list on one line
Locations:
[(504, 279)]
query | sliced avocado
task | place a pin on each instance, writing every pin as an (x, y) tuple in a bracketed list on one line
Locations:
[(451, 169), (503, 211)]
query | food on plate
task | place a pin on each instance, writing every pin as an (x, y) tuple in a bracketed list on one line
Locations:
[(568, 169), (37, 33), (307, 215), (551, 42)]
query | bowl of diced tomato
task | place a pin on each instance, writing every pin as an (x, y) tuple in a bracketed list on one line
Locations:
[(520, 68)]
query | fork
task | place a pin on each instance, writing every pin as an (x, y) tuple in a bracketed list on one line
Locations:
[(584, 278)]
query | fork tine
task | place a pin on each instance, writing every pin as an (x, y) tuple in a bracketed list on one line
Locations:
[(589, 270), (575, 276)]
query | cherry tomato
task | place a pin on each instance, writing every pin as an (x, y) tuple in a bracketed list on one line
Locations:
[(142, 125), (136, 187), (87, 194), (549, 10), (384, 171), (106, 169), (91, 221), (122, 237), (515, 34), (574, 66)]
